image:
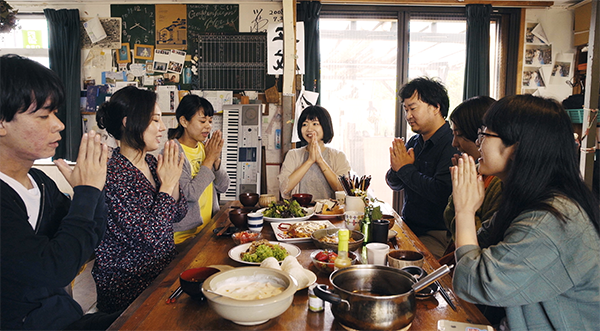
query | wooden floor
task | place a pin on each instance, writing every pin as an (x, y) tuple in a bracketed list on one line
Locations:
[(84, 289)]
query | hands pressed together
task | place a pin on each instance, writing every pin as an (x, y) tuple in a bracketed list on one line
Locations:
[(314, 151), (170, 165), (399, 156), (91, 163), (468, 192), (213, 148)]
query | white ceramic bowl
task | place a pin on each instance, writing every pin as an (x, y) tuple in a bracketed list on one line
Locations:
[(250, 312)]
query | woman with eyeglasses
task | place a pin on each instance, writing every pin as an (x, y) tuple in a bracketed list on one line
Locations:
[(539, 256)]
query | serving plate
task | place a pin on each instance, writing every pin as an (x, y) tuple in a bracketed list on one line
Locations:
[(281, 236), (235, 252), (327, 217), (312, 278), (309, 213)]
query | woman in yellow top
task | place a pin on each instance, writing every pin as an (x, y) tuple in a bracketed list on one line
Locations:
[(202, 176)]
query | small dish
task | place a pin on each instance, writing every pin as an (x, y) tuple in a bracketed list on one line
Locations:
[(392, 234), (245, 237)]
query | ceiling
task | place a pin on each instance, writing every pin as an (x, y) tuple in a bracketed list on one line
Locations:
[(521, 3)]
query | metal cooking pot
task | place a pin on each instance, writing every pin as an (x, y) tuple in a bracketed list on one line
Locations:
[(372, 297)]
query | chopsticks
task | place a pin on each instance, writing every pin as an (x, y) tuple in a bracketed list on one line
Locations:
[(445, 296), (353, 183), (173, 297)]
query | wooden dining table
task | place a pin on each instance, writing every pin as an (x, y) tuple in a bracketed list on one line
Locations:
[(150, 311)]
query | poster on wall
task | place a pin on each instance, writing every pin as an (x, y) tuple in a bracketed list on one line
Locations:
[(256, 17), (161, 60), (275, 49), (171, 27)]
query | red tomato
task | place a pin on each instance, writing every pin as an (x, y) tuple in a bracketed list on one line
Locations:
[(332, 256), (322, 256)]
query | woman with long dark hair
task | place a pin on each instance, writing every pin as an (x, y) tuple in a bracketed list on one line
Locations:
[(539, 256), (202, 176)]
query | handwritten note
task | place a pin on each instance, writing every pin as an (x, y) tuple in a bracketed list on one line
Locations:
[(207, 18), (255, 17)]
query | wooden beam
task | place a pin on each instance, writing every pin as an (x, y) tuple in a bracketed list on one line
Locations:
[(592, 85), (494, 3)]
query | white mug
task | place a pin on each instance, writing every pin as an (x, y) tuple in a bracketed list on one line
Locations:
[(352, 219), (340, 196), (376, 253), (355, 204), (255, 222)]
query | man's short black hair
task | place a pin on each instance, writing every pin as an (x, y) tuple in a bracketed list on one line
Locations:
[(24, 82), (430, 91)]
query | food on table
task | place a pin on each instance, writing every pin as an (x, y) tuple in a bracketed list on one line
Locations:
[(244, 237), (294, 268), (328, 207), (262, 249), (326, 256), (249, 288), (301, 229), (284, 209), (333, 239), (290, 265), (271, 262)]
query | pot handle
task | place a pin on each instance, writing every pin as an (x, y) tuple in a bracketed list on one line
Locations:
[(432, 277), (322, 291)]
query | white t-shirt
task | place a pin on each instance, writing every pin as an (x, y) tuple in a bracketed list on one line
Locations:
[(31, 197)]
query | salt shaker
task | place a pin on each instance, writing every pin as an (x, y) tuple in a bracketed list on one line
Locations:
[(315, 304)]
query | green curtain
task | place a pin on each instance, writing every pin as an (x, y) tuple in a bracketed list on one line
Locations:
[(65, 60), (308, 12), (477, 66)]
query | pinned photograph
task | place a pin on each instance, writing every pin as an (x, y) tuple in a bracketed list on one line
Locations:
[(161, 60), (536, 55), (532, 77), (176, 60), (561, 69), (144, 52), (123, 54)]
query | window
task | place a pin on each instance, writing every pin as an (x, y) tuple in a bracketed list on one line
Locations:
[(29, 40), (363, 64)]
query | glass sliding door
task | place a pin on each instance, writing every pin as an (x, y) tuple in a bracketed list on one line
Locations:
[(358, 87)]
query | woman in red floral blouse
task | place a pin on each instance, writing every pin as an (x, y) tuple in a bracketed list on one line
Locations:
[(143, 198)]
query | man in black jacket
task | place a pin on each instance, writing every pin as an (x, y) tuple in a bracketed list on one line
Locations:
[(45, 237)]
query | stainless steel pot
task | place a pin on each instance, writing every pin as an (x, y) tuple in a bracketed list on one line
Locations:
[(371, 297)]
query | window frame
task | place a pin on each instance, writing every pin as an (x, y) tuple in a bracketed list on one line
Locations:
[(507, 19)]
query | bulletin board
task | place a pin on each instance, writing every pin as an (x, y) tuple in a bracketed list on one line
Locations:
[(210, 18)]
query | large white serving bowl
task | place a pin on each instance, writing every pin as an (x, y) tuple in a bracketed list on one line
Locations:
[(250, 312)]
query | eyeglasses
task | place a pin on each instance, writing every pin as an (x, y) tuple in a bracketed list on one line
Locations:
[(481, 134)]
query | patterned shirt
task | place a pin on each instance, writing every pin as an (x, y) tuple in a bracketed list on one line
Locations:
[(138, 243)]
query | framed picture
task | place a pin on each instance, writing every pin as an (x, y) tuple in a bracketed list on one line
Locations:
[(123, 55), (144, 52)]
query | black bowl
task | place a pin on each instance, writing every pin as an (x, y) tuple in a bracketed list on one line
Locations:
[(238, 218), (249, 199), (191, 280), (303, 199)]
